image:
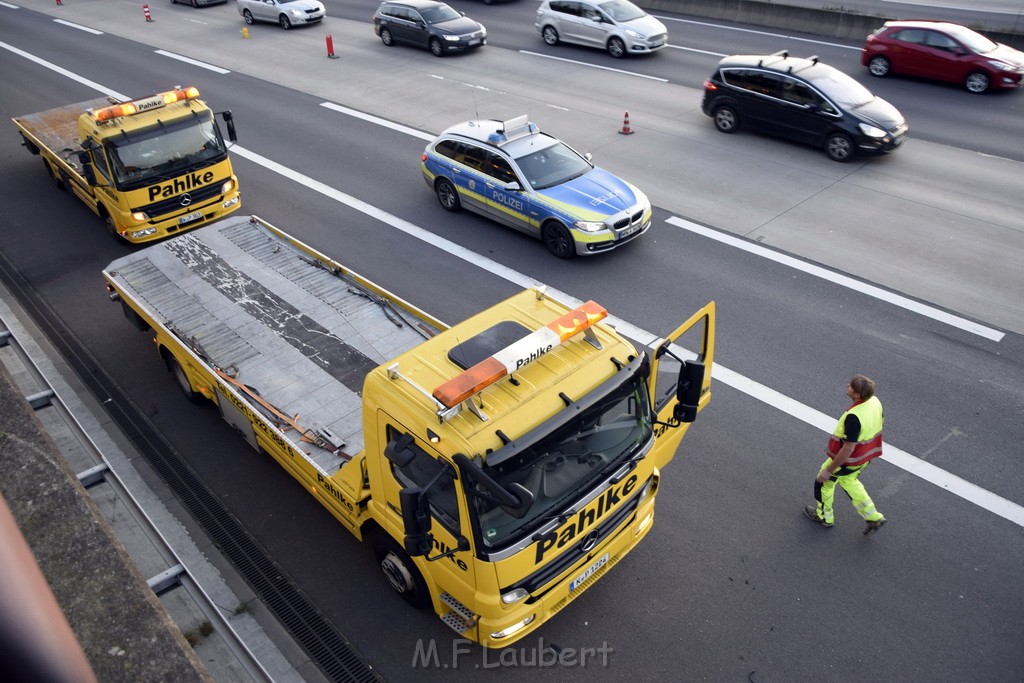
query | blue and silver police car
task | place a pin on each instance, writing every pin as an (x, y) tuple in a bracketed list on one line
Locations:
[(513, 173)]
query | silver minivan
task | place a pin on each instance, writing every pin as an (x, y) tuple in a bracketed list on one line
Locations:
[(618, 26), (287, 13)]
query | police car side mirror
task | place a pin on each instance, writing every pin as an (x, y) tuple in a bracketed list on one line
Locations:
[(512, 187)]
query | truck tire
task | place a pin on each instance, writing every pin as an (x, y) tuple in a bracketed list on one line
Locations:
[(399, 570), (181, 379), (58, 182), (112, 229)]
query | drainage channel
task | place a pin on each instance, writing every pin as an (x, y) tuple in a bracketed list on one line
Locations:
[(325, 645)]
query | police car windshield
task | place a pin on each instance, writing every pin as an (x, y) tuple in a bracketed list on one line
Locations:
[(148, 156), (553, 165), (439, 14), (622, 10), (567, 462)]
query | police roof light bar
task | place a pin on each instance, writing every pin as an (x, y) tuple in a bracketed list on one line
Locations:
[(520, 353), (146, 104)]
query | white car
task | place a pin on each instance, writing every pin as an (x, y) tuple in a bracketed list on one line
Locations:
[(618, 26), (287, 13)]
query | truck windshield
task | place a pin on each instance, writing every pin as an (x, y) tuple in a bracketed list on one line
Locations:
[(161, 152), (565, 463)]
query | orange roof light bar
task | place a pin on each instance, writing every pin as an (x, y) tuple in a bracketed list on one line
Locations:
[(154, 102), (517, 354)]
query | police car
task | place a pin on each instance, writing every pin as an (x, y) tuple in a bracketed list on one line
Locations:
[(511, 172)]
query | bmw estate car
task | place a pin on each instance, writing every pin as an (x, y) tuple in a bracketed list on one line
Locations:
[(513, 173)]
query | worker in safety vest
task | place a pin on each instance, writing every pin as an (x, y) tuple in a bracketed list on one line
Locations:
[(857, 440)]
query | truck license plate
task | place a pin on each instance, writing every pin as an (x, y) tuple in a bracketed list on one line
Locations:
[(588, 572), (190, 217)]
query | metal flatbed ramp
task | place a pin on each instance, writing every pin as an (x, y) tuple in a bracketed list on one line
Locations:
[(270, 316)]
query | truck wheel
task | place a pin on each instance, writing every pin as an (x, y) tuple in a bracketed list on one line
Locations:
[(112, 229), (181, 379), (399, 570), (58, 182), (447, 195)]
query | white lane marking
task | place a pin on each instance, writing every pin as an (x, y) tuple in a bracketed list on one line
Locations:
[(427, 137), (9, 5), (760, 33), (914, 465), (79, 27), (64, 72), (189, 60), (693, 49), (594, 66), (842, 280)]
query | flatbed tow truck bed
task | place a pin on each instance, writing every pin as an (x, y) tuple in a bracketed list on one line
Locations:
[(298, 334)]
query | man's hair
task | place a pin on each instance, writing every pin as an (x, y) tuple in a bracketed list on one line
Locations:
[(864, 386)]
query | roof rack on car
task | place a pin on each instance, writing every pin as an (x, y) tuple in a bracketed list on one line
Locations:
[(781, 53)]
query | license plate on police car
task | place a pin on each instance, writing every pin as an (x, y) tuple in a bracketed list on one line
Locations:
[(190, 217), (588, 572), (629, 231)]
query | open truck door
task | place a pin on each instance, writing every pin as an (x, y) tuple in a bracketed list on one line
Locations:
[(680, 380)]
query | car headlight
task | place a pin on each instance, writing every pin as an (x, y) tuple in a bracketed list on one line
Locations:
[(589, 226), (635, 35), (871, 131), (1002, 66), (296, 12), (451, 38)]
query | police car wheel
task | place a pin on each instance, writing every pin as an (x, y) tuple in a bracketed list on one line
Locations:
[(617, 48), (447, 195), (558, 240), (436, 48), (386, 37), (550, 35), (247, 15)]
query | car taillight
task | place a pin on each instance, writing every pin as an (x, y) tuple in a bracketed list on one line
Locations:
[(708, 85)]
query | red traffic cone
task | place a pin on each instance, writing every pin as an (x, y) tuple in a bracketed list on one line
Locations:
[(145, 11), (626, 130)]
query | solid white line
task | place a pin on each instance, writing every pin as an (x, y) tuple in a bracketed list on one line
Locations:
[(594, 66), (9, 5), (842, 280), (427, 137), (919, 468), (193, 62), (79, 27), (760, 33)]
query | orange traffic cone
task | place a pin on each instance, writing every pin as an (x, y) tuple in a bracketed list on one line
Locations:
[(626, 130)]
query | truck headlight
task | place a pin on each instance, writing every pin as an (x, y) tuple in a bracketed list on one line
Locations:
[(514, 596), (646, 490), (136, 234), (506, 632), (140, 216), (227, 186), (589, 226)]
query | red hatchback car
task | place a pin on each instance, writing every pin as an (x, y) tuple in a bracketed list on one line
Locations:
[(945, 52)]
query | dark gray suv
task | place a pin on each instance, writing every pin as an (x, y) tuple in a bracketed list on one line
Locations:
[(804, 100), (427, 23)]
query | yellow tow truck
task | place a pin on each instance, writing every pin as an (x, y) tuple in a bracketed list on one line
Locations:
[(496, 468), (149, 167)]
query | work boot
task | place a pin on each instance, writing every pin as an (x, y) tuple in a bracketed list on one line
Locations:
[(811, 512), (874, 526)]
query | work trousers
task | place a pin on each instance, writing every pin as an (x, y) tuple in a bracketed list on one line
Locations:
[(849, 479)]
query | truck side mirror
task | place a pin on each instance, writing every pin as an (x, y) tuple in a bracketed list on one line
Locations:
[(398, 451), (229, 121), (85, 160), (691, 382), (416, 519)]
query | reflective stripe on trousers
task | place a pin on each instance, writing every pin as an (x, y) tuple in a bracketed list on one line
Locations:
[(849, 479)]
